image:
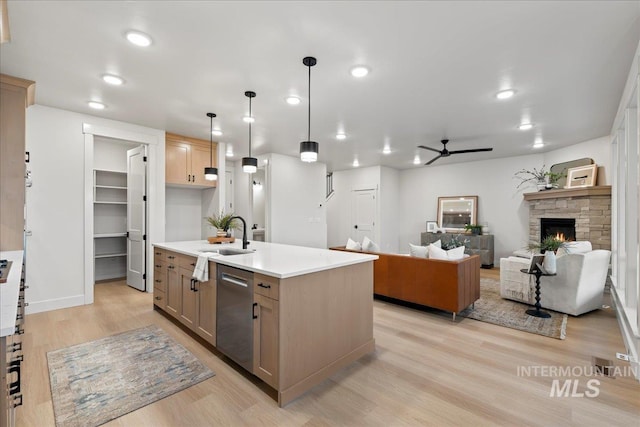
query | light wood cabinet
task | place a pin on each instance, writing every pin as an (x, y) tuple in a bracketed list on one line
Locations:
[(265, 339), (266, 292), (174, 291), (191, 302), (15, 96), (185, 160)]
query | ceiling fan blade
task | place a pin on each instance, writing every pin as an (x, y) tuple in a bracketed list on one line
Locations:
[(474, 150), (428, 148), (433, 160)]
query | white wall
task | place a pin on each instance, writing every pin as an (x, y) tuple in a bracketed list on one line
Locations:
[(259, 192), (183, 210), (389, 200), (111, 154), (499, 203), (56, 203), (296, 194)]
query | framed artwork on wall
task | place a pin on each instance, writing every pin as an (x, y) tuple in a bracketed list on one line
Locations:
[(582, 176), (432, 226)]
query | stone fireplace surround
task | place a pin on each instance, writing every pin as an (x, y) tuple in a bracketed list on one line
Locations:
[(590, 206)]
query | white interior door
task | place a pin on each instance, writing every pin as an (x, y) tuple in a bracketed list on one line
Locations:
[(363, 214), (136, 217)]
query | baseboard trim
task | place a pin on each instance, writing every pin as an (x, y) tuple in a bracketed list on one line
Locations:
[(54, 304)]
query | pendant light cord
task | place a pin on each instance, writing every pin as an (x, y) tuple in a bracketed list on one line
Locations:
[(211, 143), (251, 118), (309, 108)]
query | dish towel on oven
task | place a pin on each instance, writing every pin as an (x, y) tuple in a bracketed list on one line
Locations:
[(201, 270)]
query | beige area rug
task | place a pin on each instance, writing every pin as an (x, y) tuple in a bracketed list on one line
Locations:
[(492, 308), (97, 381)]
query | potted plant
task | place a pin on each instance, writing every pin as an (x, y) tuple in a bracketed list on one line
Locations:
[(539, 177), (454, 243), (224, 222), (552, 179), (549, 243), (474, 229)]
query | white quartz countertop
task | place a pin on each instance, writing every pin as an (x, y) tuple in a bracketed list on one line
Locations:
[(9, 293), (272, 259)]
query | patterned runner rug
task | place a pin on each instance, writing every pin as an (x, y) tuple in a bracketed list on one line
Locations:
[(492, 308), (97, 381)]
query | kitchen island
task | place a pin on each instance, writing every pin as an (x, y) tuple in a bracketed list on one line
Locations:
[(311, 311)]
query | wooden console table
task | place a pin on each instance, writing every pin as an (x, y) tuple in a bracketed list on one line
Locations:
[(478, 244)]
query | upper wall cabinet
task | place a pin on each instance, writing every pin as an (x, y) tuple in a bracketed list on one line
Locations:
[(186, 159)]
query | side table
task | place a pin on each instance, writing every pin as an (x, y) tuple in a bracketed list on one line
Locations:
[(537, 312)]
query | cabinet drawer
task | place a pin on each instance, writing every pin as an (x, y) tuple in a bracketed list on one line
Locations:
[(159, 265), (267, 286), (187, 262), (158, 255), (159, 298), (159, 281)]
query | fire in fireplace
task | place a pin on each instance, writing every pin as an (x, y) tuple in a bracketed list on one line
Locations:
[(562, 228)]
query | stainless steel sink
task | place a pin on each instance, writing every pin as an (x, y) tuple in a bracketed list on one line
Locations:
[(229, 251)]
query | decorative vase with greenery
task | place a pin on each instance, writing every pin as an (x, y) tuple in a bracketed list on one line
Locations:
[(542, 178), (475, 229), (549, 243), (224, 222)]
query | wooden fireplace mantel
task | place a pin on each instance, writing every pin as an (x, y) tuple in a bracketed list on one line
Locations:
[(558, 193)]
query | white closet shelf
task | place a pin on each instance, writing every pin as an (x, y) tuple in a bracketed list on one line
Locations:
[(110, 255), (110, 171), (113, 187), (98, 202), (105, 235)]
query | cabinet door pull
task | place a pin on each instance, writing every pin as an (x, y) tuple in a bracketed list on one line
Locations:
[(158, 281), (193, 264), (14, 367), (264, 286), (158, 298), (158, 266), (171, 267), (17, 401), (253, 310), (171, 257)]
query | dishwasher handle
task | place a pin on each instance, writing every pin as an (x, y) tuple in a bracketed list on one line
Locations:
[(253, 310), (235, 280)]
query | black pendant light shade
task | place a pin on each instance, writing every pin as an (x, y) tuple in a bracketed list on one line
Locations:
[(249, 164), (211, 173), (308, 148)]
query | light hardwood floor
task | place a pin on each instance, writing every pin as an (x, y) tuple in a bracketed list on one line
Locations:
[(426, 370)]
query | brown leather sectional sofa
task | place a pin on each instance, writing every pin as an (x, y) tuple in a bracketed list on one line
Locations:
[(446, 285)]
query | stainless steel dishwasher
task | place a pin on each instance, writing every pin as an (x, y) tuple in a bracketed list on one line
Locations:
[(234, 330)]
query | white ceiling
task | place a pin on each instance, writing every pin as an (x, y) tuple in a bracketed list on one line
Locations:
[(435, 69)]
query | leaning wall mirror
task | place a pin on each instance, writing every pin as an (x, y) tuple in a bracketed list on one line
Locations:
[(456, 212)]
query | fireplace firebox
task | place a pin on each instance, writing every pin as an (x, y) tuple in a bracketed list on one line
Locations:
[(563, 228)]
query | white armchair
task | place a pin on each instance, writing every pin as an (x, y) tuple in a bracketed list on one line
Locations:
[(576, 288)]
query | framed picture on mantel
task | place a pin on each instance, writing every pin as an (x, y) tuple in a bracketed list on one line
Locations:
[(582, 176)]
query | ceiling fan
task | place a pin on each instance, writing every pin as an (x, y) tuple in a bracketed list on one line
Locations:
[(446, 153)]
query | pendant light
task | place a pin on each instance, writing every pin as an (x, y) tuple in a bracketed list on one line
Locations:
[(249, 164), (308, 148), (211, 173)]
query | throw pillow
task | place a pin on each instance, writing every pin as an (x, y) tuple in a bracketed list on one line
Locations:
[(369, 246), (450, 255), (353, 245), (419, 251)]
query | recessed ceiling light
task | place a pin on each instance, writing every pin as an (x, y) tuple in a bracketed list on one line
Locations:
[(340, 136), (229, 152), (96, 105), (359, 71), (416, 160), (525, 126), (112, 79), (538, 143), (138, 38), (216, 132), (386, 150), (356, 163), (505, 94), (292, 100), (248, 119)]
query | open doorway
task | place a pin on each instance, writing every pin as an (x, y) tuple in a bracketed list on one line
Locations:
[(119, 211), (259, 205)]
